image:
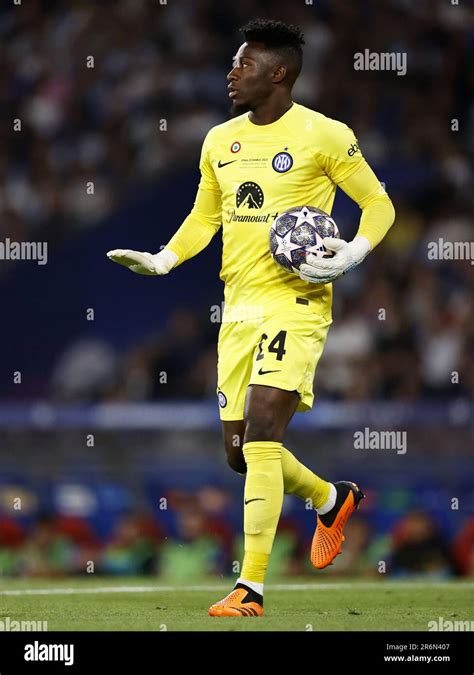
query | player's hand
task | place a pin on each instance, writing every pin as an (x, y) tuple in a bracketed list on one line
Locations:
[(141, 262), (346, 256)]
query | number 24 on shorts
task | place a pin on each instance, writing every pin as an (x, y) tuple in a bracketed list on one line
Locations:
[(277, 345)]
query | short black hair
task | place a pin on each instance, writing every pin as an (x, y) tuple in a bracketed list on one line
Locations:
[(274, 34), (286, 39)]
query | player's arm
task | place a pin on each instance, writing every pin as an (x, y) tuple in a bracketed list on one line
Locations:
[(192, 237), (353, 175)]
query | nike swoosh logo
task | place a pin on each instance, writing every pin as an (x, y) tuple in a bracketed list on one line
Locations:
[(264, 372), (221, 164), (257, 499)]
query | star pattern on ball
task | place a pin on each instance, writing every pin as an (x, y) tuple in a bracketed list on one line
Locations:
[(285, 245), (303, 215), (308, 226), (318, 249)]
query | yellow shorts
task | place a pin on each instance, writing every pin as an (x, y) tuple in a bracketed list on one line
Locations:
[(280, 351)]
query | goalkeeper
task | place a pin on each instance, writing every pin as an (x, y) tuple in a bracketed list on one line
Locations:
[(272, 155)]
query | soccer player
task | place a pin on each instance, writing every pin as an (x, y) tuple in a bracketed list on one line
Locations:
[(272, 155)]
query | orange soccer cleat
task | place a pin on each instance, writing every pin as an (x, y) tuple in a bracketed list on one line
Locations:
[(242, 601), (328, 537)]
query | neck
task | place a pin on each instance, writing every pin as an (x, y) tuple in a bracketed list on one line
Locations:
[(270, 110)]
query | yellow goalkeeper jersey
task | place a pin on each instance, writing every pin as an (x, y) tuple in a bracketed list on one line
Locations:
[(252, 173)]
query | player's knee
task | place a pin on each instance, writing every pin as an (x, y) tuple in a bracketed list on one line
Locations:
[(264, 427), (236, 459), (237, 465)]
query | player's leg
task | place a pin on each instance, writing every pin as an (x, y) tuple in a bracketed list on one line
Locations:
[(236, 348), (298, 480), (266, 414), (294, 382), (266, 406), (269, 465), (268, 411), (288, 349), (233, 433), (288, 354)]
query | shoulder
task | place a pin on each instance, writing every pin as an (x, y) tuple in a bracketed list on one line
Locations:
[(325, 134), (226, 130), (320, 123)]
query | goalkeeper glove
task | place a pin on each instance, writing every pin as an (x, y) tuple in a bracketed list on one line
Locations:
[(141, 262), (347, 255)]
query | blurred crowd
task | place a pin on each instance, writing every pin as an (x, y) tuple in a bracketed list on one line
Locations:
[(122, 92), (91, 84), (203, 541)]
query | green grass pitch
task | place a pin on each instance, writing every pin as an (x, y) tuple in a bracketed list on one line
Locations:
[(98, 604)]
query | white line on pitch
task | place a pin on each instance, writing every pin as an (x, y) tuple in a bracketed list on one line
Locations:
[(393, 585)]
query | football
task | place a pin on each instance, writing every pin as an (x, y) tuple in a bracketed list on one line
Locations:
[(299, 231)]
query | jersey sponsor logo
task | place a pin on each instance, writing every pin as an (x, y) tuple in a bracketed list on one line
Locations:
[(353, 149), (264, 372), (235, 147), (282, 162), (249, 195), (221, 399), (234, 217), (221, 164), (255, 499)]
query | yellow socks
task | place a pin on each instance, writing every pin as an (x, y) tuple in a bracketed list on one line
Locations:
[(272, 471), (300, 481), (263, 498)]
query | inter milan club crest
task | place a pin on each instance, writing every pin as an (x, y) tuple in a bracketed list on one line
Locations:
[(221, 397), (282, 162)]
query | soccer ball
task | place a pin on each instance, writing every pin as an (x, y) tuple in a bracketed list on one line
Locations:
[(299, 231)]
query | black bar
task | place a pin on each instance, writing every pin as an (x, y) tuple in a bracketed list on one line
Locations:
[(152, 652)]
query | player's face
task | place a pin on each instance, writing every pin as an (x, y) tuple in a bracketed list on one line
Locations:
[(250, 80)]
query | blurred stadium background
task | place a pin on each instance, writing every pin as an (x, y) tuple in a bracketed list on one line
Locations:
[(102, 459)]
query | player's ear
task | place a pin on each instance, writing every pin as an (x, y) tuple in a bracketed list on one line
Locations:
[(279, 74)]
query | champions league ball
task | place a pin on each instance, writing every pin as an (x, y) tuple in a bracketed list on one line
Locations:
[(297, 232)]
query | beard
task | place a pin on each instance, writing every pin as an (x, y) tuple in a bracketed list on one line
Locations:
[(237, 109)]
